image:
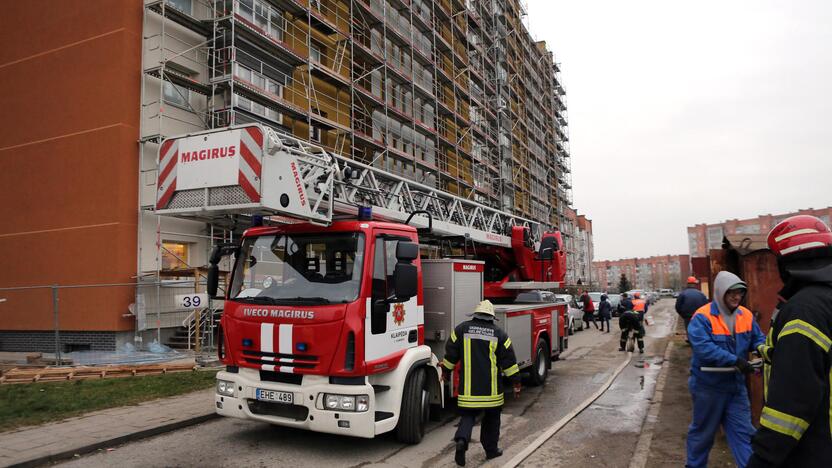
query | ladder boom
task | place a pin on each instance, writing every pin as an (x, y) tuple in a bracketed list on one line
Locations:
[(255, 170)]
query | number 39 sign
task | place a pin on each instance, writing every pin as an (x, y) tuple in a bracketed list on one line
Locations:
[(191, 301)]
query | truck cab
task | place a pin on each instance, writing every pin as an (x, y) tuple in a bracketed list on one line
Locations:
[(323, 329)]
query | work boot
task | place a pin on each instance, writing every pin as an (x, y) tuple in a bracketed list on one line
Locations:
[(640, 351), (621, 349), (494, 454), (459, 456)]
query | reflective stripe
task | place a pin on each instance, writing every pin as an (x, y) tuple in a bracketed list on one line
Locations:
[(448, 364), (807, 245), (511, 370), (484, 404), (507, 343), (806, 329), (482, 397), (795, 233), (477, 336), (783, 423), (453, 336), (492, 354), (767, 363), (467, 364)]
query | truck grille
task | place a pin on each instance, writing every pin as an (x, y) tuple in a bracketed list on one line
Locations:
[(299, 361)]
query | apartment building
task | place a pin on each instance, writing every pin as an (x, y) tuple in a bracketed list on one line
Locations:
[(577, 238), (451, 93), (705, 237), (651, 273)]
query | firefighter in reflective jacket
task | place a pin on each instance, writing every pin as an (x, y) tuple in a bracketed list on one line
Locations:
[(482, 351), (796, 419)]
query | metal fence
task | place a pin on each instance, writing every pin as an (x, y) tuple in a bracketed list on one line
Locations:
[(108, 322)]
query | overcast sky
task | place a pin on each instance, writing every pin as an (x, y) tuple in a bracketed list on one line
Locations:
[(689, 112)]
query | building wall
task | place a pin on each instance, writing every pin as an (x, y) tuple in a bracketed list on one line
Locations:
[(69, 90), (665, 271), (704, 237)]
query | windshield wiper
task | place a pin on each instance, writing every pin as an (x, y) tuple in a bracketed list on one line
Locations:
[(257, 300), (314, 300)]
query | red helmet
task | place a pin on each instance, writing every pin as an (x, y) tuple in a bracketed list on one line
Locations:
[(797, 234), (637, 295), (692, 280)]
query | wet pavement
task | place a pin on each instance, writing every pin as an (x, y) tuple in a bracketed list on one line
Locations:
[(605, 434)]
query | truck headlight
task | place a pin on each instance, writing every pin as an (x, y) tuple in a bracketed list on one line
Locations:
[(353, 403), (225, 388)]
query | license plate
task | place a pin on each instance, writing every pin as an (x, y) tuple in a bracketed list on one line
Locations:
[(274, 395)]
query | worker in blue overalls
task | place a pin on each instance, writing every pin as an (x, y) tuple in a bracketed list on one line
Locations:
[(721, 334)]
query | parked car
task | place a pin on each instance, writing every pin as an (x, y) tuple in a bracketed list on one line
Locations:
[(653, 297), (665, 292), (575, 314), (596, 300), (615, 301)]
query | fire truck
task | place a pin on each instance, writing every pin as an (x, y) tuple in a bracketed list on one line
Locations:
[(339, 302)]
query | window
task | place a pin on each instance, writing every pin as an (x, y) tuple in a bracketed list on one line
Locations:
[(182, 5), (175, 255), (315, 133), (316, 52), (384, 263), (176, 95)]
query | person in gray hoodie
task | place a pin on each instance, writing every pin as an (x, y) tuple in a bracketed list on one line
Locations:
[(721, 334)]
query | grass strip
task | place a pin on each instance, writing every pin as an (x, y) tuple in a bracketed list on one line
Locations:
[(37, 403)]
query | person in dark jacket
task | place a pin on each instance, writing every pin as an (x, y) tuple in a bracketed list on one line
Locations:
[(589, 309), (689, 301), (721, 334), (483, 351), (796, 419), (605, 312)]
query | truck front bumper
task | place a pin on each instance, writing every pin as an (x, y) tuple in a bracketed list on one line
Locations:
[(307, 410)]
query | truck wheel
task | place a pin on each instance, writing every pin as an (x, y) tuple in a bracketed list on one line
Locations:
[(415, 409), (540, 368)]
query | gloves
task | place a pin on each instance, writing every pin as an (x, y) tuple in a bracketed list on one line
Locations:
[(516, 390), (743, 366)]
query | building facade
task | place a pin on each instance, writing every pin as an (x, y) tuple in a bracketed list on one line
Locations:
[(577, 238), (651, 273), (451, 93), (705, 237)]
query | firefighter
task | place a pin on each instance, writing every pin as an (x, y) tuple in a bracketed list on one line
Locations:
[(482, 350), (796, 419), (633, 320), (721, 334)]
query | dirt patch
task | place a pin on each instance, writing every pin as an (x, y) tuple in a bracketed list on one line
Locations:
[(668, 446)]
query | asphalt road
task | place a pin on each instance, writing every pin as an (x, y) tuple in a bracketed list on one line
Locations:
[(603, 435)]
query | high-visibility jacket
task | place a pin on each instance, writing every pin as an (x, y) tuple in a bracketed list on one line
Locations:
[(797, 416), (714, 345), (483, 351), (639, 305)]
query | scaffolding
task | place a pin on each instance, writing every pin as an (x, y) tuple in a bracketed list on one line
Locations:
[(454, 94)]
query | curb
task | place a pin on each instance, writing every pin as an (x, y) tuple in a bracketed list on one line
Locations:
[(143, 434)]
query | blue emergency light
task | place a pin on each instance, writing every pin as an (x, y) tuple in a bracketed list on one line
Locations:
[(248, 342), (302, 347), (365, 213)]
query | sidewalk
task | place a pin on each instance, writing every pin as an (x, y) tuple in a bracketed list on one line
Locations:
[(36, 445)]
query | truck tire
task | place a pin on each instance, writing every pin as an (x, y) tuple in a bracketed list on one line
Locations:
[(540, 368), (570, 330), (415, 408)]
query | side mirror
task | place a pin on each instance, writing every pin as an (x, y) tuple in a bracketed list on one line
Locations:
[(407, 251), (405, 281), (213, 280)]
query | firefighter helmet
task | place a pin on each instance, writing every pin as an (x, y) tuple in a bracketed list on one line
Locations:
[(692, 280), (800, 233), (637, 295)]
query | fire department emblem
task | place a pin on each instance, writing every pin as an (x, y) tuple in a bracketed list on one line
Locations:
[(398, 313)]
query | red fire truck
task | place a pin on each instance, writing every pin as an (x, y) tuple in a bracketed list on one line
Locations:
[(335, 317)]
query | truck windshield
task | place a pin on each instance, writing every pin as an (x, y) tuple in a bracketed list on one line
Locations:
[(299, 269)]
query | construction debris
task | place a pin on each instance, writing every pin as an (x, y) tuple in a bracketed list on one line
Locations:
[(59, 374)]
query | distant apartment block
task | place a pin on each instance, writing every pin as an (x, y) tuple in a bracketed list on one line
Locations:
[(664, 271), (577, 238), (705, 237)]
